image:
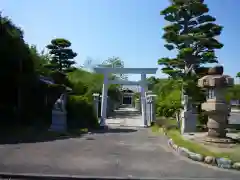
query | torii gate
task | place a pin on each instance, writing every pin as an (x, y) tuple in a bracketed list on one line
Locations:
[(143, 83)]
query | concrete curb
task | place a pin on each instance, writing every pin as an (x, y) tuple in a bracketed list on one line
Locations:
[(208, 160)]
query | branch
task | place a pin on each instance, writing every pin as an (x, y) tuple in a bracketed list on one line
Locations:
[(187, 70)]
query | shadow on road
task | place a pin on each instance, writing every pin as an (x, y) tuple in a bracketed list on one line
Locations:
[(115, 130), (34, 135)]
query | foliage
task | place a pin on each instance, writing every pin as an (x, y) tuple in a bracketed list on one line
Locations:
[(62, 55), (192, 33), (27, 100), (115, 62), (168, 92), (86, 83), (152, 81), (238, 75), (40, 60), (81, 113), (17, 72), (202, 118), (171, 104), (233, 93)]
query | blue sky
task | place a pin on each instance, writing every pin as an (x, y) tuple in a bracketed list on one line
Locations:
[(130, 29)]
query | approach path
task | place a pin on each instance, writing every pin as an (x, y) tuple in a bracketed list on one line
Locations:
[(120, 152)]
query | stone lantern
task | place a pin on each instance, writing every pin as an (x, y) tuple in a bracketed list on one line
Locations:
[(216, 107)]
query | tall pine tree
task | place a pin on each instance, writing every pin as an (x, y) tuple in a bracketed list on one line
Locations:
[(62, 55), (192, 34)]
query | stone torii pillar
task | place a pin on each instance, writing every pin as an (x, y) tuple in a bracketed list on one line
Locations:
[(104, 100), (143, 98), (106, 71)]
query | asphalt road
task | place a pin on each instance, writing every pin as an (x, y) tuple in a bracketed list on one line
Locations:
[(122, 153)]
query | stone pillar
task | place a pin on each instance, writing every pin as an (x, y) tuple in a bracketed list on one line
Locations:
[(216, 107), (152, 108), (96, 102), (189, 119), (104, 100), (151, 117), (143, 99), (148, 110)]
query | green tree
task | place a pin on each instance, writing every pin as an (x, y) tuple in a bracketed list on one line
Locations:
[(19, 75), (238, 75), (40, 61), (115, 62), (152, 81), (62, 55), (192, 33)]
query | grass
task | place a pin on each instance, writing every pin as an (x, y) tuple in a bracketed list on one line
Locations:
[(175, 135)]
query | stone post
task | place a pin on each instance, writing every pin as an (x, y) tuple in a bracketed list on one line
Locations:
[(96, 102), (143, 98), (151, 107), (148, 110), (188, 117), (216, 107), (104, 100)]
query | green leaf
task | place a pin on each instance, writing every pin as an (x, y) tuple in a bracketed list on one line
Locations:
[(163, 61), (192, 32), (205, 18), (169, 10), (198, 9), (62, 54), (169, 46), (173, 27), (61, 42), (170, 18)]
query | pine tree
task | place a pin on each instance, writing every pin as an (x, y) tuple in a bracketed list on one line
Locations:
[(192, 34), (62, 55)]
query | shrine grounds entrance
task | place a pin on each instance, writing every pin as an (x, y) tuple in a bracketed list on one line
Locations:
[(143, 83)]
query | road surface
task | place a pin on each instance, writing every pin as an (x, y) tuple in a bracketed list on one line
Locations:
[(119, 152)]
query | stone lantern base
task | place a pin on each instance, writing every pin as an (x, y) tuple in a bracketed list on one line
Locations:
[(226, 140)]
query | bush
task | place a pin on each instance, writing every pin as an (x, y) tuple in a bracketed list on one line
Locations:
[(202, 119), (81, 113), (167, 110)]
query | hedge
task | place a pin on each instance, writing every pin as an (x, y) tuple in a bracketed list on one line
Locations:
[(81, 113)]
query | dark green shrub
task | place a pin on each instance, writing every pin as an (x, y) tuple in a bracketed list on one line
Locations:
[(202, 119), (81, 113)]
